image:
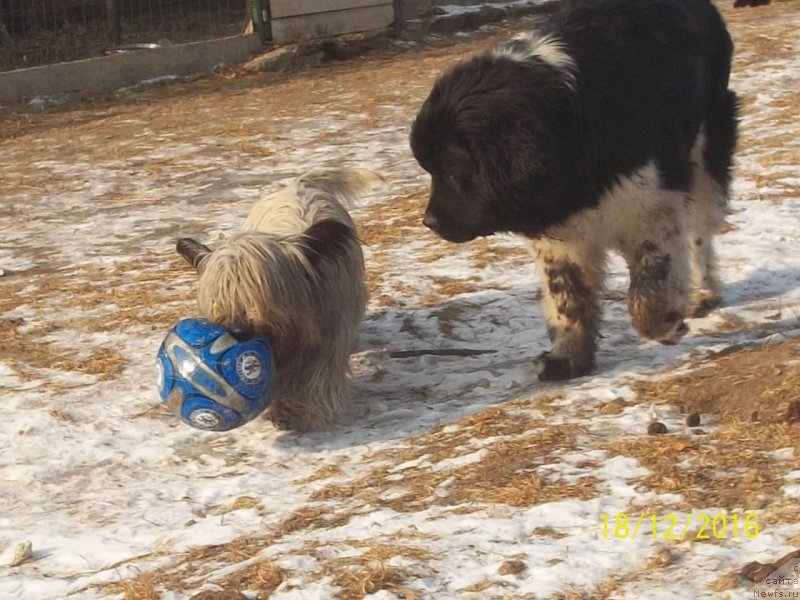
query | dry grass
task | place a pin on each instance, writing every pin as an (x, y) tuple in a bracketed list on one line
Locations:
[(389, 225), (321, 474), (759, 381), (512, 447), (394, 222), (355, 576), (485, 253), (757, 44), (146, 586), (94, 299), (263, 577), (730, 468), (371, 571), (29, 352), (241, 503), (445, 288), (313, 517)]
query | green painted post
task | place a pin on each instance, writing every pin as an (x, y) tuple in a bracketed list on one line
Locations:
[(262, 24)]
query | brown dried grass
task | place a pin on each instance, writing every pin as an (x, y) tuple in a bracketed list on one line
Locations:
[(29, 352), (394, 222), (503, 474), (241, 503), (356, 575), (138, 293), (731, 468), (145, 586), (768, 35), (370, 572), (262, 577), (484, 253), (761, 380), (321, 474)]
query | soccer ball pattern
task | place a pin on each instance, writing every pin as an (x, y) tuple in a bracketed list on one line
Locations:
[(210, 379)]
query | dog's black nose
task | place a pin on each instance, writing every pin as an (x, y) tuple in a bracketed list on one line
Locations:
[(430, 221)]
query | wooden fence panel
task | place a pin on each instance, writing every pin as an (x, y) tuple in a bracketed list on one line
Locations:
[(306, 19)]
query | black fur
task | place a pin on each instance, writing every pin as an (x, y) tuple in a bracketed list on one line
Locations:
[(328, 240), (519, 146), (192, 251), (605, 104)]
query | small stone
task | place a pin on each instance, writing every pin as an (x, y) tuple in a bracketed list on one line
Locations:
[(693, 420), (375, 408), (219, 595), (659, 559), (512, 567), (793, 412), (656, 428), (22, 553), (754, 416)]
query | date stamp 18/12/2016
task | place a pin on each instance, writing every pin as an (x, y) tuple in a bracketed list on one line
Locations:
[(718, 526)]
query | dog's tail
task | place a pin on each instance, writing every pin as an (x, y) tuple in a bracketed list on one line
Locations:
[(347, 185)]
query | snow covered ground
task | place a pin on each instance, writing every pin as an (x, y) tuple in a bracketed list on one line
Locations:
[(451, 477)]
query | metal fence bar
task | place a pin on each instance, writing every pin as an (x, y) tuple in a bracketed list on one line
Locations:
[(37, 32), (113, 24)]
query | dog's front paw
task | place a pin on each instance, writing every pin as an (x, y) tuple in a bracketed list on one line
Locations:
[(288, 417), (551, 367), (703, 305), (672, 336)]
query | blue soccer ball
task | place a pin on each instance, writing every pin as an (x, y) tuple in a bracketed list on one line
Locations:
[(212, 380)]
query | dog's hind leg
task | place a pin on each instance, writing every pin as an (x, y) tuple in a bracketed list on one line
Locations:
[(193, 251), (572, 276), (712, 159), (706, 215)]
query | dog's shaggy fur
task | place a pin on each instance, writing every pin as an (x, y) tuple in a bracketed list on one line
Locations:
[(609, 128), (295, 275)]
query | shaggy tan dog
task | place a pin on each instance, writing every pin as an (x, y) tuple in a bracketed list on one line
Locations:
[(295, 275)]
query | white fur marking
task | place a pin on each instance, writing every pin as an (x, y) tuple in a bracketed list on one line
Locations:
[(528, 45)]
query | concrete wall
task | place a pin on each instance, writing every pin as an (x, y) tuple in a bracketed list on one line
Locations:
[(293, 20), (112, 72)]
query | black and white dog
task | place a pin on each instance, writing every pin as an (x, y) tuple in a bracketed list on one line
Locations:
[(609, 128)]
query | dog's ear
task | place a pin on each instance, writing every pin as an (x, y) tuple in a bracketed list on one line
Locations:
[(193, 251), (327, 240)]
